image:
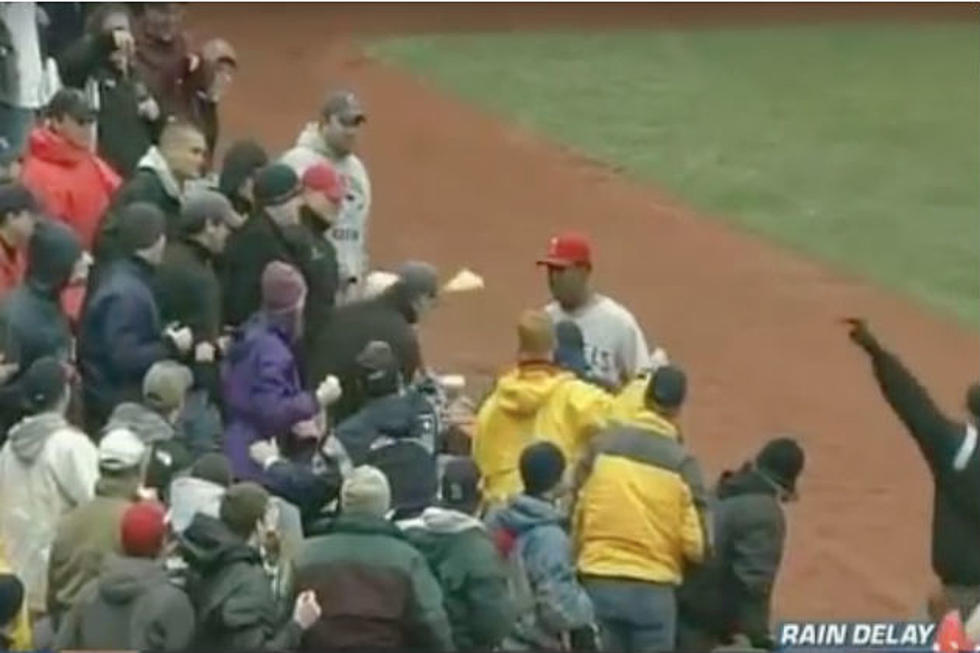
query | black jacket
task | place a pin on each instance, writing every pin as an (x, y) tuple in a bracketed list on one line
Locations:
[(397, 434), (32, 322), (731, 592), (334, 349), (232, 594), (259, 242), (319, 258), (121, 336), (951, 450), (124, 135), (188, 292)]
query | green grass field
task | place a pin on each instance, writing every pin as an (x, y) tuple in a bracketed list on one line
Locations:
[(857, 144)]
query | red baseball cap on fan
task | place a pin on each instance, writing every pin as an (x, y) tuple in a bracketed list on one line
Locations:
[(325, 179), (568, 250)]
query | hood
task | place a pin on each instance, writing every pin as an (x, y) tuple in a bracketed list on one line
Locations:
[(142, 421), (526, 512), (745, 480), (123, 579), (524, 390), (208, 544), (27, 437), (153, 160), (190, 496), (359, 524), (48, 146), (311, 139), (54, 248)]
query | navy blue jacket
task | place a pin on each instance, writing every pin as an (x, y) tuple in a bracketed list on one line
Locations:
[(121, 335)]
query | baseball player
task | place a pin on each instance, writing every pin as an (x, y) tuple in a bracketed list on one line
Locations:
[(615, 347), (332, 139)]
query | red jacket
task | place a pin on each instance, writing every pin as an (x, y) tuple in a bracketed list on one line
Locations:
[(74, 184)]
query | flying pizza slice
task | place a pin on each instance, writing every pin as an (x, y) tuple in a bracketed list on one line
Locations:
[(464, 281)]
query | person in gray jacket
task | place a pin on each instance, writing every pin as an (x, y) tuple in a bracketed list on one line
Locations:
[(554, 611), (132, 605), (729, 597)]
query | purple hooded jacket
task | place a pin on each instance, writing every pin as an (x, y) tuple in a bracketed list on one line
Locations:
[(262, 392)]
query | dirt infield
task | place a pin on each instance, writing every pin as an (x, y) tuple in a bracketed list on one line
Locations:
[(755, 327)]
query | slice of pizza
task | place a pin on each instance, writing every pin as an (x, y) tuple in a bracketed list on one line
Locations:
[(464, 281)]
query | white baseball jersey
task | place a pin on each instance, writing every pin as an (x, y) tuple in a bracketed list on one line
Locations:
[(349, 234), (615, 347)]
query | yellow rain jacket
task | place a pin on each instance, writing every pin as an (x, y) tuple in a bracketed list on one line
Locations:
[(629, 408), (641, 507), (21, 637), (534, 401)]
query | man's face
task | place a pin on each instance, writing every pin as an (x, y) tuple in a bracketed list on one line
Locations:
[(22, 226), (286, 213), (186, 154), (568, 285), (163, 19), (118, 22), (322, 205), (341, 131), (224, 75), (79, 133)]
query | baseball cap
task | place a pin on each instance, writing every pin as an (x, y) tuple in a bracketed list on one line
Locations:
[(120, 449), (275, 184), (165, 385), (378, 367), (71, 102), (324, 178), (142, 529), (567, 250), (44, 382), (345, 105), (460, 487)]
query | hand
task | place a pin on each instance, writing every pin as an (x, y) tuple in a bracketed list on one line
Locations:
[(204, 352), (182, 338), (859, 332), (658, 359), (124, 41), (7, 370), (224, 343), (308, 429), (264, 452), (149, 109), (329, 391), (193, 61), (306, 610)]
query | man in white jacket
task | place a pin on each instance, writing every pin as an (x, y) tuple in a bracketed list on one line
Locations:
[(332, 140), (47, 467)]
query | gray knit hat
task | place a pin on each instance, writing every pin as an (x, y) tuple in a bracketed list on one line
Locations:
[(366, 491), (140, 226)]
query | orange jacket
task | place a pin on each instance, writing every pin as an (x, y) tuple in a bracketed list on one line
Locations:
[(73, 184)]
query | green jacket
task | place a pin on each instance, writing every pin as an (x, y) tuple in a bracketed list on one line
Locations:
[(375, 589), (474, 582)]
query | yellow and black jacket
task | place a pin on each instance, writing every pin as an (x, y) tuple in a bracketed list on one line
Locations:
[(641, 507)]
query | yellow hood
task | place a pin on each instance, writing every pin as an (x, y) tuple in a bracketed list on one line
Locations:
[(522, 391)]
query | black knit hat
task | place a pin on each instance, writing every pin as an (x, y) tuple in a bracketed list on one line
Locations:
[(16, 197), (377, 368), (542, 466), (44, 383), (242, 507), (973, 400), (275, 184), (241, 161), (667, 387), (782, 461), (11, 598), (140, 226), (213, 467), (460, 487)]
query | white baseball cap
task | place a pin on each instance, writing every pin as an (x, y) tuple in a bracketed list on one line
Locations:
[(121, 449)]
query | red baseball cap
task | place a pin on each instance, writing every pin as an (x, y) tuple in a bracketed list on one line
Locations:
[(325, 179), (568, 250)]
